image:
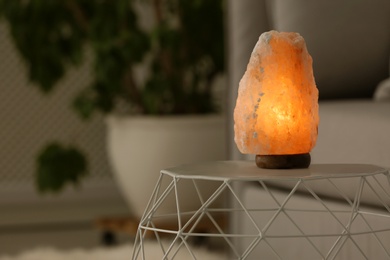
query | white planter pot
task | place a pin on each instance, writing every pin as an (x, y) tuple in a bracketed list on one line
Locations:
[(139, 147)]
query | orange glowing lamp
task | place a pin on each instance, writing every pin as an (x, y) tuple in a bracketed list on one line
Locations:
[(276, 114)]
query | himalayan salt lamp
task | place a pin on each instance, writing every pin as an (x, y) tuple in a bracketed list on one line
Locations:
[(276, 114)]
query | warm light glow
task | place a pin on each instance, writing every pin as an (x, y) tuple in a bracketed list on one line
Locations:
[(277, 106)]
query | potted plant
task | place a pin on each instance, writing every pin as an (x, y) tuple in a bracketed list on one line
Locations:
[(180, 54)]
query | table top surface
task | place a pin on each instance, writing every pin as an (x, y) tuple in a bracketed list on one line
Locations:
[(247, 170)]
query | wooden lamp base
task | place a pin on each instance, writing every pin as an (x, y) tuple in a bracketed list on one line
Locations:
[(289, 161)]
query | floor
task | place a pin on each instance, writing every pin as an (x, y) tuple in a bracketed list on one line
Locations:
[(70, 238), (66, 221)]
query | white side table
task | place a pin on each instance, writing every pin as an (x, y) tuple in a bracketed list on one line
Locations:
[(283, 222)]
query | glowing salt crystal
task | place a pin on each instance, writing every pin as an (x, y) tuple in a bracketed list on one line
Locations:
[(277, 106)]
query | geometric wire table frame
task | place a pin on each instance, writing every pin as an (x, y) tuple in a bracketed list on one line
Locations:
[(352, 221)]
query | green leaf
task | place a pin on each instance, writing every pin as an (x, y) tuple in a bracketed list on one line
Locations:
[(57, 166), (51, 36), (84, 104)]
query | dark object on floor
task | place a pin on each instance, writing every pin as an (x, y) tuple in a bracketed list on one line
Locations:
[(108, 238)]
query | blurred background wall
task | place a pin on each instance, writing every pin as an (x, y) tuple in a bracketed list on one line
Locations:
[(28, 121)]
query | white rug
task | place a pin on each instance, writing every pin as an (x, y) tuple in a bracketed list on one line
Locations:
[(123, 252)]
